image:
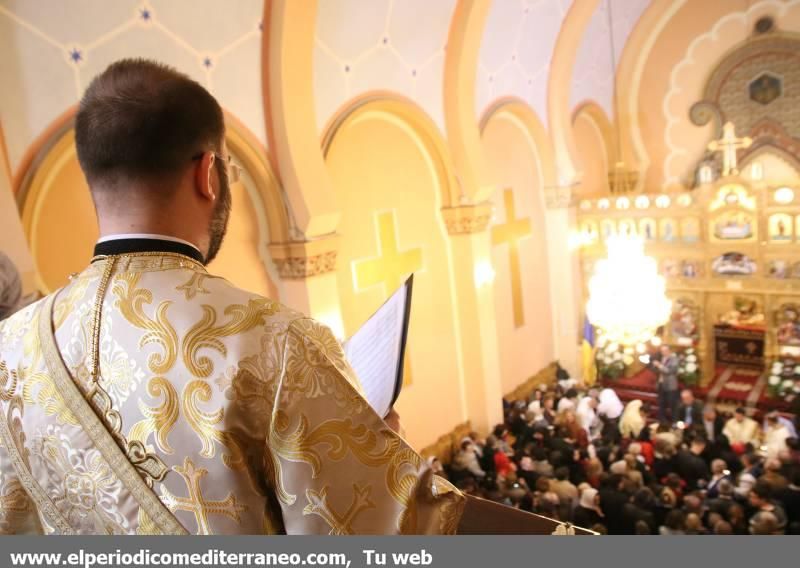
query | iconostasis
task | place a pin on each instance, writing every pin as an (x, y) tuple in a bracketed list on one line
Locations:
[(729, 255)]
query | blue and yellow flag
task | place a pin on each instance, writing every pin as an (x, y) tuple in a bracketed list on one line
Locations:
[(588, 353)]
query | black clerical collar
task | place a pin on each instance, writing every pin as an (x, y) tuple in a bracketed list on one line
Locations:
[(137, 243)]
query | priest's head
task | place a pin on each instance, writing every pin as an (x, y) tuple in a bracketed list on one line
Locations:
[(151, 143)]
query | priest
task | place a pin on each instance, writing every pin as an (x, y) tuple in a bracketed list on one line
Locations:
[(149, 396)]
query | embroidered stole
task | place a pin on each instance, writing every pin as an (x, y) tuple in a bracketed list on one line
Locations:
[(114, 456)]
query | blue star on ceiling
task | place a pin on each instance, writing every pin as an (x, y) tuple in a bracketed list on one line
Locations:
[(145, 14), (75, 55), (207, 63)]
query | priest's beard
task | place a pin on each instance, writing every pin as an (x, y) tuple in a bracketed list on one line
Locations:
[(219, 218)]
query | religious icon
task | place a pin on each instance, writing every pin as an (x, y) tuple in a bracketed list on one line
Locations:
[(670, 268), (796, 270), (627, 228), (667, 231), (788, 321), (778, 269), (690, 269), (690, 230), (608, 229), (746, 311), (765, 88), (589, 231), (733, 264), (733, 226), (684, 319), (780, 228), (647, 229)]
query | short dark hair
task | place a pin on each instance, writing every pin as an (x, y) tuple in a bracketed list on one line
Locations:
[(763, 489), (143, 120)]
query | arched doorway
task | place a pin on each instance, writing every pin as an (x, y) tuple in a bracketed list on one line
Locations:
[(60, 225), (389, 169)]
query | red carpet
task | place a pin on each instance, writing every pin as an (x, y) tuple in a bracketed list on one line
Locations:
[(642, 385), (730, 388)]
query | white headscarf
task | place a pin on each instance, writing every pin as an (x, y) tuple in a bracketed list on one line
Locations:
[(585, 413), (610, 405), (10, 287), (631, 423), (587, 500)]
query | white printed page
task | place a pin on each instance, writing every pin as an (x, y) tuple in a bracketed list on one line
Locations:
[(374, 352)]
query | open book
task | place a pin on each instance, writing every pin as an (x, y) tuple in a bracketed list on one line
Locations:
[(377, 350)]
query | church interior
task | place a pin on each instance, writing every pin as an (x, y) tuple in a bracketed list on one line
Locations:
[(572, 183)]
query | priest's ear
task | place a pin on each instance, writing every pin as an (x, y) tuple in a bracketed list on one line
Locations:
[(205, 180)]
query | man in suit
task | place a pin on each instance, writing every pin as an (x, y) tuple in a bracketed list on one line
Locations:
[(713, 424), (691, 467), (690, 410), (667, 384)]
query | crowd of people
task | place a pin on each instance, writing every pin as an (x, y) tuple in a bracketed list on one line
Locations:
[(581, 456)]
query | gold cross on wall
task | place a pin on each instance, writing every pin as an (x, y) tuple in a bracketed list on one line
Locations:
[(511, 233), (196, 504), (390, 268), (728, 145)]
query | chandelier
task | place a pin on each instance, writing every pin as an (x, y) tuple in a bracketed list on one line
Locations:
[(626, 294)]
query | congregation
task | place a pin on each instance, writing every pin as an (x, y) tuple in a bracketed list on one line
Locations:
[(581, 456)]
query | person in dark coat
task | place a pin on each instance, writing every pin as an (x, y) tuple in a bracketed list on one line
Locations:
[(588, 512), (641, 508), (612, 503), (691, 467)]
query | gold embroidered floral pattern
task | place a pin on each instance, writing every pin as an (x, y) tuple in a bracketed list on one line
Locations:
[(158, 420), (15, 505), (39, 389), (194, 286), (13, 329), (204, 425), (131, 301), (8, 382), (341, 524), (119, 373), (311, 374), (196, 503), (206, 334), (274, 475), (339, 436), (73, 293), (81, 485), (246, 386)]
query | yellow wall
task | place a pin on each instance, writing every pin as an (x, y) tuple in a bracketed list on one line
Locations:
[(243, 257), (514, 164), (59, 217), (61, 226), (378, 163)]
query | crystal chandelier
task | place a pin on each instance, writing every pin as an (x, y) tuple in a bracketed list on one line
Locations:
[(626, 294)]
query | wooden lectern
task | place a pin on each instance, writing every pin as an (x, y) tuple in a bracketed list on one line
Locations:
[(487, 517)]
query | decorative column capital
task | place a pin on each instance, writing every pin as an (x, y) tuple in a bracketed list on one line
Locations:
[(466, 219), (297, 260)]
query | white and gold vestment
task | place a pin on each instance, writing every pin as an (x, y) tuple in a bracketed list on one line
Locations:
[(237, 415)]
